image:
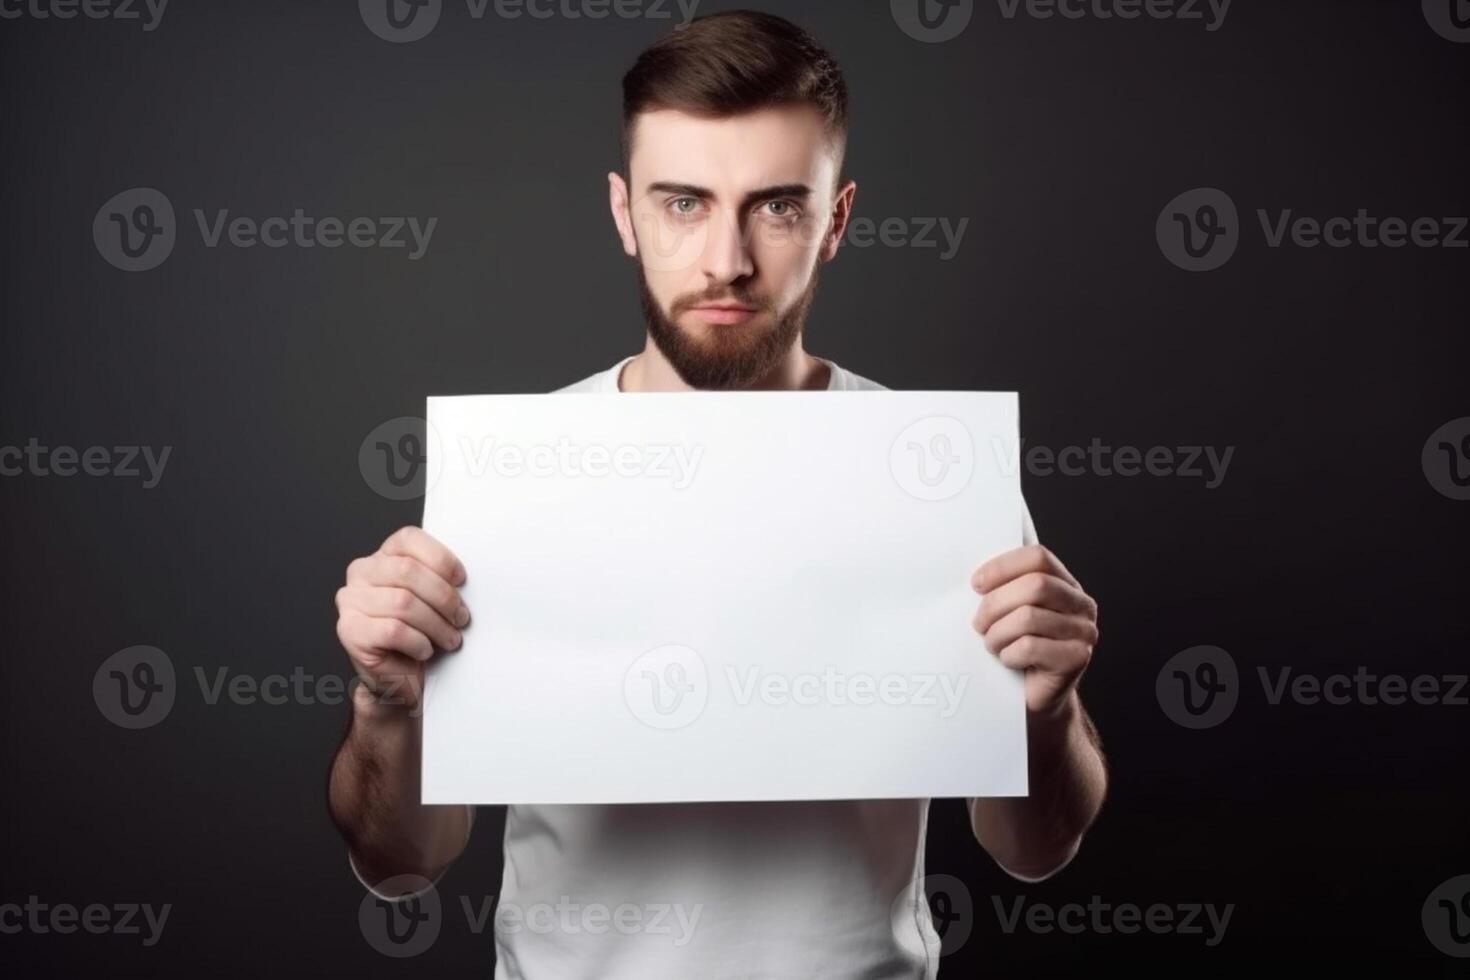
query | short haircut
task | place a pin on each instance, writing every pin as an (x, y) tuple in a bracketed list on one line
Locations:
[(733, 62)]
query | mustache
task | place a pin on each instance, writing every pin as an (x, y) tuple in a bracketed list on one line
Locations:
[(724, 294)]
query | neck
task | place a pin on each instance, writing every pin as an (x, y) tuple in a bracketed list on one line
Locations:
[(796, 371)]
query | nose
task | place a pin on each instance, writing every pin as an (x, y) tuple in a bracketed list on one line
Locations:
[(726, 254)]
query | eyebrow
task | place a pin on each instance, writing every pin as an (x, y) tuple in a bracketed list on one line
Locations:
[(801, 191)]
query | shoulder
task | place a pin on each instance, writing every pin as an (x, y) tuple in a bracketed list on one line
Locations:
[(845, 380), (603, 381)]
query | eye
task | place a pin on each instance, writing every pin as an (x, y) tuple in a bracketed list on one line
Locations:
[(781, 209), (684, 206)]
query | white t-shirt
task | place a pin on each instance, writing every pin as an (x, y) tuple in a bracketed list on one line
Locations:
[(715, 891)]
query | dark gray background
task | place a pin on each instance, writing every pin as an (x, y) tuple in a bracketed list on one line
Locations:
[(1325, 547)]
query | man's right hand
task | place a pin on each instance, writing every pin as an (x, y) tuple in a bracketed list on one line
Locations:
[(400, 605)]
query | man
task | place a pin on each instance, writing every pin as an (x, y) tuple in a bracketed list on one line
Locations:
[(731, 197)]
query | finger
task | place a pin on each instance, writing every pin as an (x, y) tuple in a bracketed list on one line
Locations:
[(1033, 589), (389, 603), (374, 636), (1013, 564), (400, 572), (418, 544), (1067, 657), (1036, 621)]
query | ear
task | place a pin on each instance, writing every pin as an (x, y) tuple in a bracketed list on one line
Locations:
[(841, 213), (617, 202)]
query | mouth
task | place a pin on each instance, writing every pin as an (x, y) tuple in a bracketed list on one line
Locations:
[(724, 314)]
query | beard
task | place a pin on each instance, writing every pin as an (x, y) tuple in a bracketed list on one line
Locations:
[(731, 356)]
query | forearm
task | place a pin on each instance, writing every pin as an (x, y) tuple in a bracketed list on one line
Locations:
[(374, 797), (1032, 835)]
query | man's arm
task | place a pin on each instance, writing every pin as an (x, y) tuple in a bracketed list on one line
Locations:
[(374, 799), (1035, 617), (1033, 837), (399, 606)]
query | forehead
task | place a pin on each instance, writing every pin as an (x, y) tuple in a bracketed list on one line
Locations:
[(775, 145)]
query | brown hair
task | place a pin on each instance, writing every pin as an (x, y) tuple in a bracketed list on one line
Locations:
[(732, 62)]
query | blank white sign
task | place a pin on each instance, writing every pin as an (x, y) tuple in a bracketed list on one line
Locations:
[(706, 596)]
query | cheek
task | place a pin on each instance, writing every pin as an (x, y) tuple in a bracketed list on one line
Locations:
[(785, 261)]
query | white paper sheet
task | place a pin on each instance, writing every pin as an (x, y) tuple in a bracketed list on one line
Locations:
[(722, 596)]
